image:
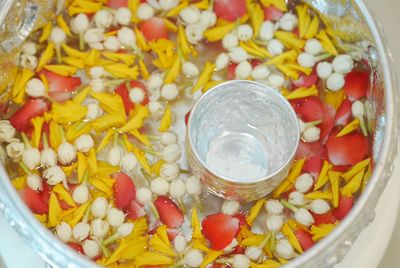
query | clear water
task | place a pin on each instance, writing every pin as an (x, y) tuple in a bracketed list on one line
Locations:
[(239, 156)]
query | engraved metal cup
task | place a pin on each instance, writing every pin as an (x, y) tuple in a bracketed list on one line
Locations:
[(241, 138)]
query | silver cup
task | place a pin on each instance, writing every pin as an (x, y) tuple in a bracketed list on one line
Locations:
[(241, 139)]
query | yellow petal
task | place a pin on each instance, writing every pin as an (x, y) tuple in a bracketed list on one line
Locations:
[(253, 240), (141, 137), (319, 195), (304, 19), (82, 165), (55, 135), (75, 62), (185, 47), (218, 32), (170, 25), (196, 224), (102, 184), (68, 112), (211, 256), (111, 104), (63, 25), (74, 53), (92, 160), (279, 4), (299, 68), (334, 178), (92, 58), (106, 140), (254, 211), (37, 123), (128, 59), (354, 185), (367, 175), (327, 43), (356, 169), (140, 114), (41, 218), (84, 6), (159, 243), (47, 55), (313, 28), (302, 93), (141, 157), (175, 11), (78, 214), (292, 176), (133, 6), (141, 41), (289, 55), (334, 98), (18, 88), (152, 258), (54, 211), (77, 129), (266, 264), (123, 71), (156, 167), (204, 76), (127, 250), (256, 15), (108, 121), (287, 71), (143, 70), (104, 169), (63, 194), (251, 48), (45, 32), (210, 84), (350, 127), (173, 73), (166, 119), (81, 96), (64, 70), (286, 230), (19, 182), (323, 175), (289, 39), (319, 232)]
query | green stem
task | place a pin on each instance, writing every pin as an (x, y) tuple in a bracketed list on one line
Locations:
[(85, 176), (322, 57), (363, 126), (114, 82), (62, 134), (111, 239), (211, 5), (105, 250), (286, 204), (153, 137), (313, 123), (153, 210), (178, 264), (26, 140), (181, 205), (265, 241), (86, 215), (272, 241), (116, 138), (146, 175), (198, 202), (59, 56), (45, 141), (152, 152), (184, 171), (81, 42), (25, 168)]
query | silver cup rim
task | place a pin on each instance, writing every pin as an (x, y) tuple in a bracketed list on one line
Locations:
[(251, 83)]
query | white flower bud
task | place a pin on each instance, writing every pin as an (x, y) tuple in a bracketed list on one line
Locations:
[(125, 229), (319, 206), (303, 216), (243, 70), (222, 61), (93, 111), (112, 43), (274, 223), (28, 61), (311, 134), (275, 47), (169, 171), (99, 228), (103, 18), (168, 138), (284, 249), (34, 182), (276, 80), (194, 33), (97, 72), (15, 150), (84, 143), (126, 37), (115, 217), (145, 11), (54, 175), (169, 91), (98, 85), (171, 153), (159, 186), (357, 109), (253, 253), (177, 189), (48, 158), (81, 194), (128, 162), (304, 182), (91, 248), (208, 18), (114, 156), (229, 248), (99, 207), (297, 199), (155, 82), (29, 48), (123, 15), (7, 131), (324, 69), (190, 15), (230, 41), (31, 158), (238, 54), (144, 195), (156, 109), (274, 207), (306, 60), (80, 231), (302, 125), (342, 64), (35, 88), (240, 261), (190, 69), (63, 231), (168, 4), (335, 82), (180, 244), (288, 22), (66, 153), (193, 185), (193, 258), (260, 72), (57, 36), (244, 32), (230, 207), (313, 46), (80, 23), (267, 30), (136, 95), (94, 35)]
